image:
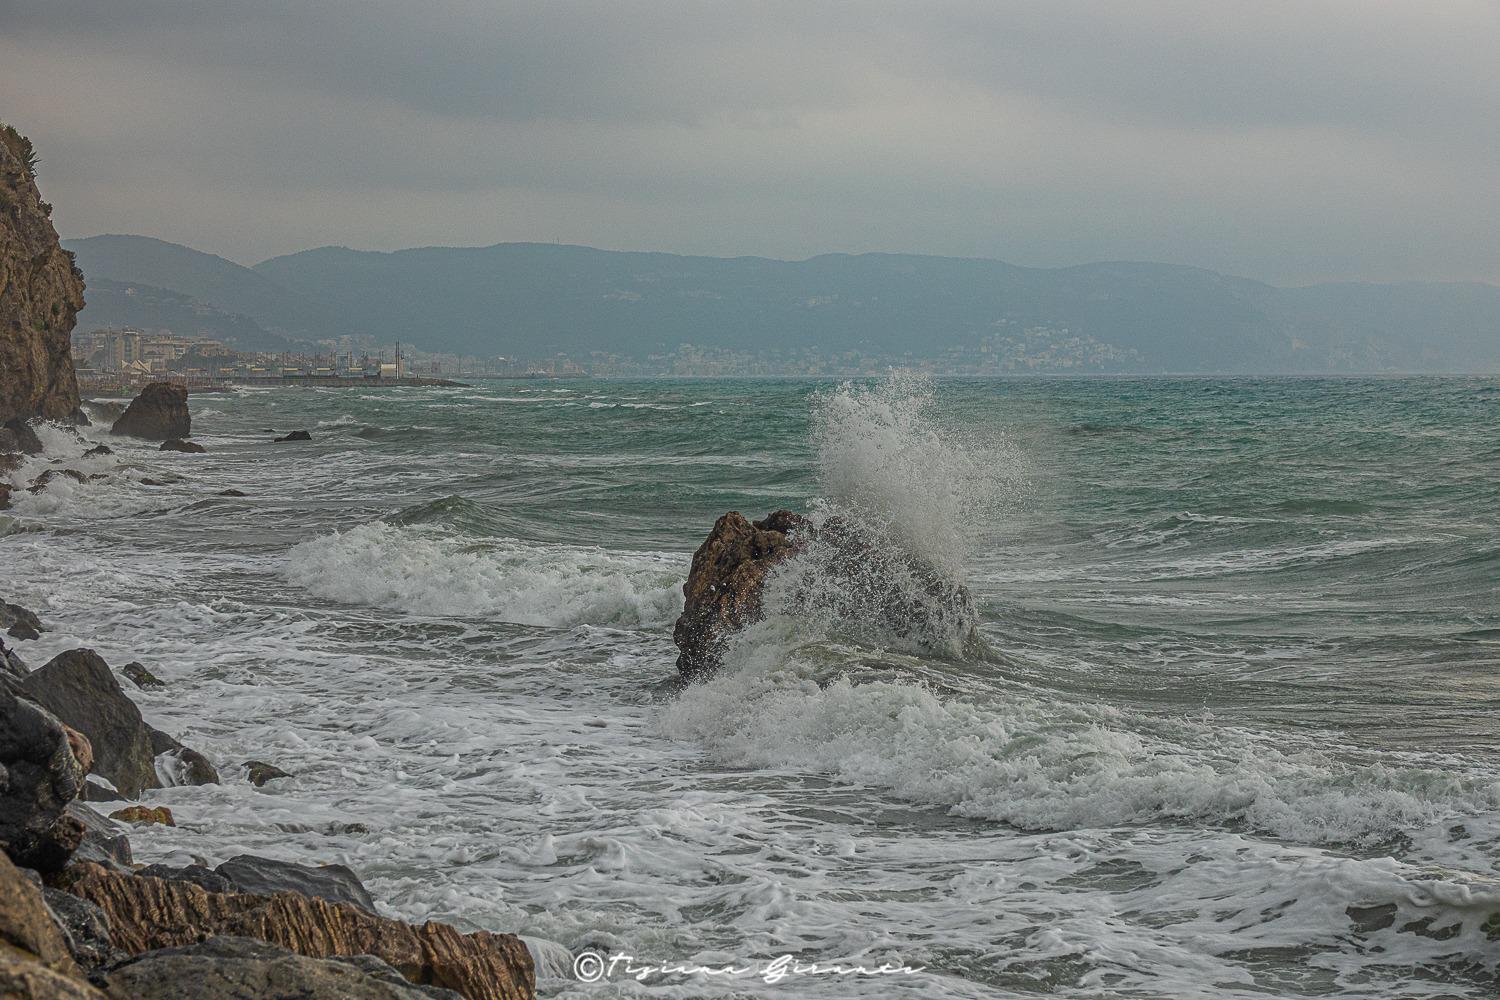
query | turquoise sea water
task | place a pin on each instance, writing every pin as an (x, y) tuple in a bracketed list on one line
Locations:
[(1233, 732)]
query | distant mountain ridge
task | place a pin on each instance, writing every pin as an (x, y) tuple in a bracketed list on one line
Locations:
[(536, 300)]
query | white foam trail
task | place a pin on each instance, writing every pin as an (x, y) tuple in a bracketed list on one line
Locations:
[(428, 570)]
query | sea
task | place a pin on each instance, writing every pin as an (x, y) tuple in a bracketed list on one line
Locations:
[(1229, 728)]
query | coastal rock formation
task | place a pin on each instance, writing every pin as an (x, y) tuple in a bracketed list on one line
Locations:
[(723, 589), (84, 926), (41, 291), (18, 436), (78, 687), (137, 674), (34, 957), (144, 816), (242, 967), (159, 413), (48, 476), (178, 444), (259, 772), (266, 876), (295, 436), (99, 451), (39, 776), (149, 913), (20, 623)]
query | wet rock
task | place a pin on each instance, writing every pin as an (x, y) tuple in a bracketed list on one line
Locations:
[(295, 436), (204, 878), (150, 913), (78, 687), (84, 927), (98, 451), (144, 816), (159, 413), (233, 493), (265, 876), (723, 589), (18, 435), (39, 777), (225, 966), (10, 463), (50, 476), (177, 444), (11, 664), (27, 931), (138, 675), (5, 492), (104, 843), (20, 623), (147, 481), (259, 772)]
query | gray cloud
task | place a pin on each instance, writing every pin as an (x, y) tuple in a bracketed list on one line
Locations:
[(1290, 141)]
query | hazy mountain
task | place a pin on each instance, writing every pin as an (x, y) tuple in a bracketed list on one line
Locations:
[(119, 304), (204, 277), (534, 300)]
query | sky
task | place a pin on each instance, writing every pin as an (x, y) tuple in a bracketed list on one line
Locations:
[(1287, 141)]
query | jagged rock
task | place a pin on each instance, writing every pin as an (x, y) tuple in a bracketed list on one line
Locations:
[(41, 291), (231, 967), (39, 777), (11, 664), (138, 675), (98, 451), (723, 589), (144, 816), (204, 878), (180, 765), (265, 876), (259, 772), (85, 928), (103, 842), (295, 436), (177, 444), (78, 687), (27, 931), (159, 413), (48, 476), (17, 435), (149, 913), (20, 623)]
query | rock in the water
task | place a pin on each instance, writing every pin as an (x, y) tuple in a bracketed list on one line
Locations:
[(159, 413), (17, 435), (149, 913), (20, 623), (180, 765), (138, 675), (259, 772), (233, 493), (85, 928), (177, 444), (39, 777), (144, 816), (228, 967), (98, 451), (49, 476), (41, 291), (296, 436), (723, 589), (78, 687), (103, 842), (265, 876), (27, 930), (5, 492)]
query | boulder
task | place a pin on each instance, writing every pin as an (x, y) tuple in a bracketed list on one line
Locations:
[(84, 927), (227, 967), (265, 876), (233, 493), (19, 436), (259, 772), (49, 476), (78, 687), (11, 664), (5, 491), (149, 913), (159, 413), (723, 589), (295, 436), (98, 451), (27, 931), (138, 675), (204, 878), (103, 841), (39, 777), (20, 623), (177, 444), (144, 816)]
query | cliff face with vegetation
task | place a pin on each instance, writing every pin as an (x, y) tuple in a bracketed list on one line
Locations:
[(41, 292)]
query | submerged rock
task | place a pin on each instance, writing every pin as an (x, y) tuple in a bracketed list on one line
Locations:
[(177, 444), (723, 589), (259, 772), (49, 476), (98, 451), (137, 674), (39, 776), (264, 876), (150, 913), (159, 413), (295, 436)]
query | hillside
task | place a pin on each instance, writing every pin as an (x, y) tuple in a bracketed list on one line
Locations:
[(120, 304)]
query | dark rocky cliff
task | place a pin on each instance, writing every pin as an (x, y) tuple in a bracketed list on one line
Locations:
[(41, 292)]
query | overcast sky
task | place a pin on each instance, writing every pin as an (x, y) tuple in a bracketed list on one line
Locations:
[(1292, 142)]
